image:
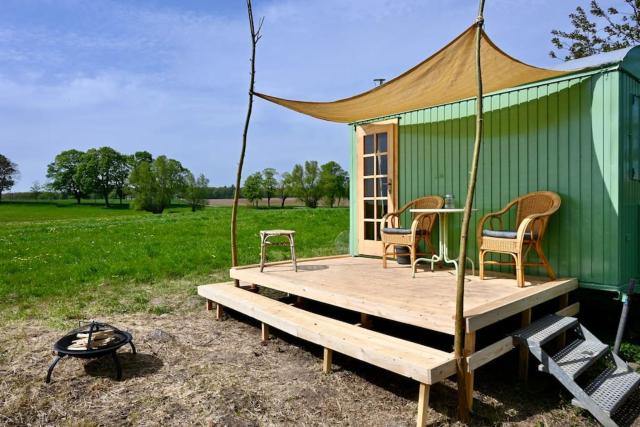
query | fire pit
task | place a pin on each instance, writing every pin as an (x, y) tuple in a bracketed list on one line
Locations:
[(92, 340)]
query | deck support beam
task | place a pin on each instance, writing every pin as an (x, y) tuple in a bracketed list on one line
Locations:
[(423, 405), (219, 312), (469, 349), (523, 368), (264, 335), (209, 304), (327, 360)]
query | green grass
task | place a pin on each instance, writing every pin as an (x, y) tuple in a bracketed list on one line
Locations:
[(61, 261)]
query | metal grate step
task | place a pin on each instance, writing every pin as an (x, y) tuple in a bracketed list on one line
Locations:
[(545, 329), (610, 389), (575, 358)]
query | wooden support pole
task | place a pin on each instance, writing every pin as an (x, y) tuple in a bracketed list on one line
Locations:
[(209, 305), (423, 405), (563, 302), (327, 360), (469, 349), (264, 336), (365, 320), (523, 368), (219, 312)]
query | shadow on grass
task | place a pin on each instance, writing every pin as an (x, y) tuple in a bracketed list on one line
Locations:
[(133, 366)]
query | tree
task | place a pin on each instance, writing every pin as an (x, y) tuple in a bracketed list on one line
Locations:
[(100, 170), (255, 37), (332, 182), (196, 191), (305, 183), (141, 156), (283, 189), (155, 184), (607, 29), (269, 184), (252, 190), (8, 174), (63, 173), (36, 189)]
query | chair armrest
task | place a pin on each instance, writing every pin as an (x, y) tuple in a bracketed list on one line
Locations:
[(387, 217), (529, 224), (489, 217), (417, 221)]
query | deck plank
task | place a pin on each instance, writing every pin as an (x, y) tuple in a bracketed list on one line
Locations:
[(428, 301)]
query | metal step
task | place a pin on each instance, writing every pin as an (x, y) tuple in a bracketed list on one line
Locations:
[(612, 387), (545, 329), (575, 358)]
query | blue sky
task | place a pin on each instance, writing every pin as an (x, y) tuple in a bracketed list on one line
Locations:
[(170, 76)]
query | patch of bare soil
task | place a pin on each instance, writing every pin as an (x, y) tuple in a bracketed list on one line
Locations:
[(191, 369)]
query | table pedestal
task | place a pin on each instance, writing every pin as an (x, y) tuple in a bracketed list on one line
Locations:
[(443, 249)]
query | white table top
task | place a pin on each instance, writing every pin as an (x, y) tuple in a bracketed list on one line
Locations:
[(442, 210)]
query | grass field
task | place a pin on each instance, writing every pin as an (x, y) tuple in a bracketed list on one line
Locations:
[(60, 261)]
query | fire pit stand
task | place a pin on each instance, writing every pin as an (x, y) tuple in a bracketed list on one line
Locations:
[(66, 346)]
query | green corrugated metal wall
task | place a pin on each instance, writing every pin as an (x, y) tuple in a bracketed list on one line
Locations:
[(562, 136)]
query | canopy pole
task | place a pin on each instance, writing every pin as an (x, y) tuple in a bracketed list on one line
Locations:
[(255, 36), (461, 363)]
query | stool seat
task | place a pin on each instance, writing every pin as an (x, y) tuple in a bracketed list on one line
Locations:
[(265, 235)]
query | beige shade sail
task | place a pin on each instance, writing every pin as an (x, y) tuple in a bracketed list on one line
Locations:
[(446, 76)]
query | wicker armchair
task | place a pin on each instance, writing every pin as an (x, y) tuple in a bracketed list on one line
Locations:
[(393, 235), (533, 211)]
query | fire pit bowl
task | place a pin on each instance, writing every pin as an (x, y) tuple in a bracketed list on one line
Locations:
[(89, 341)]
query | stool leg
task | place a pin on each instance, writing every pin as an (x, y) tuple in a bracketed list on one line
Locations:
[(292, 242)]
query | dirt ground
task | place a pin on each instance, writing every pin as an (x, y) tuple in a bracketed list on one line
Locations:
[(192, 370)]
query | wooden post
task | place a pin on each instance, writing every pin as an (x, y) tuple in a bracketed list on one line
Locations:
[(523, 368), (423, 405), (327, 360), (461, 361), (469, 349), (219, 312), (365, 320), (563, 303), (209, 305), (264, 336)]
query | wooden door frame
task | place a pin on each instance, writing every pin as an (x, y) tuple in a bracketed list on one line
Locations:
[(391, 126)]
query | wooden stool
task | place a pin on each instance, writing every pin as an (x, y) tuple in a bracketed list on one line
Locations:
[(264, 243)]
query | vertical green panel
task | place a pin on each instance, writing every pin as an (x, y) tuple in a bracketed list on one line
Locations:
[(590, 143), (574, 200)]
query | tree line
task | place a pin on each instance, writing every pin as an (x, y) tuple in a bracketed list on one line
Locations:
[(309, 183)]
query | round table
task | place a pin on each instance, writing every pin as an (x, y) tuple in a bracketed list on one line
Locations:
[(443, 249)]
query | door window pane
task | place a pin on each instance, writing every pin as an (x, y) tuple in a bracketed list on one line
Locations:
[(368, 187), (369, 209), (382, 187), (382, 208), (368, 144), (370, 230), (382, 142), (382, 165), (368, 166)]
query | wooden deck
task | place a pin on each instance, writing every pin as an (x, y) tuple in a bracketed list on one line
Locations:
[(428, 301), (362, 285)]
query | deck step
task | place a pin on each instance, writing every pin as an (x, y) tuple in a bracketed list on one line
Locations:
[(576, 357), (545, 329), (424, 364), (612, 387)]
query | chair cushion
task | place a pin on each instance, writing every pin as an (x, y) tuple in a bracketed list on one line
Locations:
[(506, 234), (389, 230)]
